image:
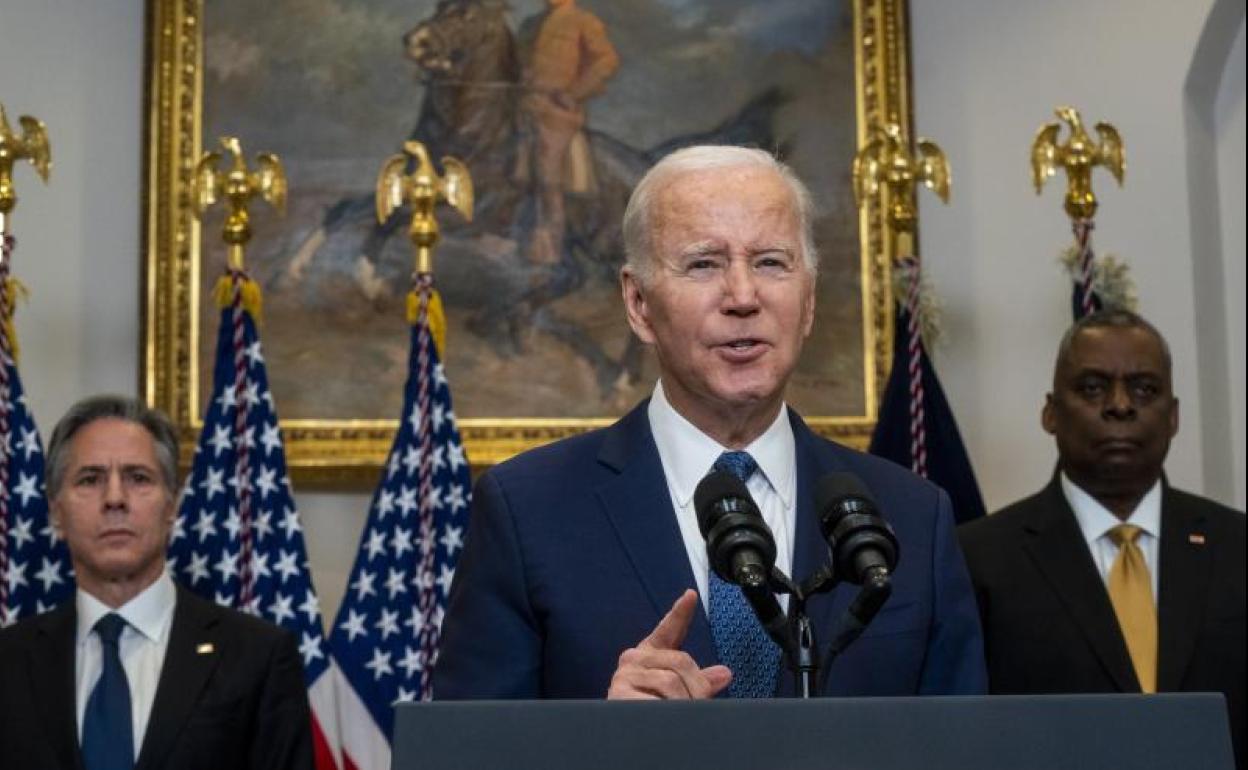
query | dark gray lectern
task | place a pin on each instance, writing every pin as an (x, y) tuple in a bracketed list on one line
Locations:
[(1054, 732)]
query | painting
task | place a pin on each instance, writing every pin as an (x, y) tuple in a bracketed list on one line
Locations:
[(557, 107)]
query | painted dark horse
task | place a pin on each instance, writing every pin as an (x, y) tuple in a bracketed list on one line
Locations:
[(467, 61)]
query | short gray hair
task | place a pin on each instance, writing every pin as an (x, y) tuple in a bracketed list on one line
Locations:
[(88, 410), (1112, 318), (638, 242)]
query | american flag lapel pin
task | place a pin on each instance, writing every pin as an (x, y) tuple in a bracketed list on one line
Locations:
[(204, 648), (1196, 538)]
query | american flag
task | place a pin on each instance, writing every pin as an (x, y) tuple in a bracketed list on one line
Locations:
[(238, 539), (386, 634), (35, 574)]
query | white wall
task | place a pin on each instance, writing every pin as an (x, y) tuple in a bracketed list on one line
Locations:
[(986, 74)]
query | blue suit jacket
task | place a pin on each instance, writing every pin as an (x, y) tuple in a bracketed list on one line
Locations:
[(574, 555)]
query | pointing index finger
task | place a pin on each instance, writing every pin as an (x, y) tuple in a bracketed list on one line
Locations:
[(669, 634)]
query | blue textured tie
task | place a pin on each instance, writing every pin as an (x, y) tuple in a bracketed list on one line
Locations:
[(107, 730), (740, 640)]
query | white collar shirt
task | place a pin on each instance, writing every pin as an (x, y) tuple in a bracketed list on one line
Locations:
[(1096, 521), (688, 454), (144, 639)]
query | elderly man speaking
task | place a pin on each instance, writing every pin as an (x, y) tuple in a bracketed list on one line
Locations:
[(584, 574)]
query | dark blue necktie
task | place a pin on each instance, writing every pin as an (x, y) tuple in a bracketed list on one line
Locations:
[(740, 640), (107, 729)]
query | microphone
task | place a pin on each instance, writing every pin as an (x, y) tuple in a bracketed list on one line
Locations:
[(864, 546), (739, 545), (864, 552), (741, 549)]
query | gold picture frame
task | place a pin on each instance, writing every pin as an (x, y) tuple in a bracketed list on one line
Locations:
[(347, 452)]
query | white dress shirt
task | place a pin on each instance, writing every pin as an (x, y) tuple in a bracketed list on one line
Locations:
[(144, 640), (688, 455), (1096, 521)]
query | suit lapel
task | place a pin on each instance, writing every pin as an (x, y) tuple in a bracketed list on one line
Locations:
[(810, 549), (190, 659), (52, 682), (639, 506), (1060, 554), (1184, 584)]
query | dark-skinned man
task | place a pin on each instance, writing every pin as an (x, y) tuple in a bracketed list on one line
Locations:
[(1109, 579)]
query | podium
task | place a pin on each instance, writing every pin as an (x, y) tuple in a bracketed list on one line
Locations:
[(1049, 732)]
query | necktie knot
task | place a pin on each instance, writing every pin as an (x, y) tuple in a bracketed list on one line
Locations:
[(109, 628), (739, 464), (1124, 533)]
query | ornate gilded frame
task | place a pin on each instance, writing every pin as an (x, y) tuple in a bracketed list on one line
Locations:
[(347, 453)]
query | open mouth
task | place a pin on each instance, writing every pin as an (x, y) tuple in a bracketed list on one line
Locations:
[(745, 349)]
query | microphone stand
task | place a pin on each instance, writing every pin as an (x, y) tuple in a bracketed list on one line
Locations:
[(800, 650)]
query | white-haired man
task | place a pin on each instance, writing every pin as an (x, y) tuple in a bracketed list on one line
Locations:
[(584, 565)]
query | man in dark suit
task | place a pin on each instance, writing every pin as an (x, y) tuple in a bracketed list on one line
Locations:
[(1052, 572), (584, 574), (136, 672)]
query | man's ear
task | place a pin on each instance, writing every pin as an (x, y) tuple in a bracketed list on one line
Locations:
[(1174, 418), (54, 518), (635, 305), (1047, 418)]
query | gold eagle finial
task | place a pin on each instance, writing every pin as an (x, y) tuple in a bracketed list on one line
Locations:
[(236, 185), (423, 190), (1078, 156), (31, 144), (887, 162)]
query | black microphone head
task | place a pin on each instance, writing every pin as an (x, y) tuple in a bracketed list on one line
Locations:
[(860, 538), (739, 546), (840, 493), (717, 486)]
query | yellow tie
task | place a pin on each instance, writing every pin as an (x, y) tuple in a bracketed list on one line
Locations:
[(1131, 593)]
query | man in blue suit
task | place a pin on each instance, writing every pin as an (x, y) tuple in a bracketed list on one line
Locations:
[(584, 574)]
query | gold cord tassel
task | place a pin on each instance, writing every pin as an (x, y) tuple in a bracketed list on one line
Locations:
[(437, 317), (12, 288)]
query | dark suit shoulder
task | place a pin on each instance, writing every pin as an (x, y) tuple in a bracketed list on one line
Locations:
[(25, 631), (1221, 515), (1009, 521), (200, 610)]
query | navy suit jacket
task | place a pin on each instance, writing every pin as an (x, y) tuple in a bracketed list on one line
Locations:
[(574, 555), (230, 695)]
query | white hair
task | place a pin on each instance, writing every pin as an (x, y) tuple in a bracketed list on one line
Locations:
[(638, 240)]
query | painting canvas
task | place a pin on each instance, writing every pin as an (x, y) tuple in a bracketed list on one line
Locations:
[(556, 116)]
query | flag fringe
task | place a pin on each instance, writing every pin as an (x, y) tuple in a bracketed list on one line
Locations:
[(930, 308), (1111, 278), (253, 301), (437, 317)]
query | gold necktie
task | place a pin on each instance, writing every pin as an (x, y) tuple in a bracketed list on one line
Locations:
[(1131, 593)]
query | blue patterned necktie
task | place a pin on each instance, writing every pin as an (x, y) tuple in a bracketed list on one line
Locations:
[(740, 640), (107, 730)]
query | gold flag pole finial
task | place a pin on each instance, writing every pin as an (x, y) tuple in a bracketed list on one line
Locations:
[(237, 186), (32, 145), (886, 164), (423, 190), (1078, 156)]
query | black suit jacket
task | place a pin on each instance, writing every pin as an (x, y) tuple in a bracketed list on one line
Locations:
[(231, 694), (1048, 623)]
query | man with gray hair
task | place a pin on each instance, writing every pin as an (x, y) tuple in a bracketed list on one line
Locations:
[(137, 669), (584, 574)]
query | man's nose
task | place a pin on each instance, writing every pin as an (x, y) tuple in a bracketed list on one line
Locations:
[(114, 491), (740, 287), (1118, 404)]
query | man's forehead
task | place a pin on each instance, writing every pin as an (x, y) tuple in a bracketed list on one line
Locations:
[(1115, 349), (111, 441)]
